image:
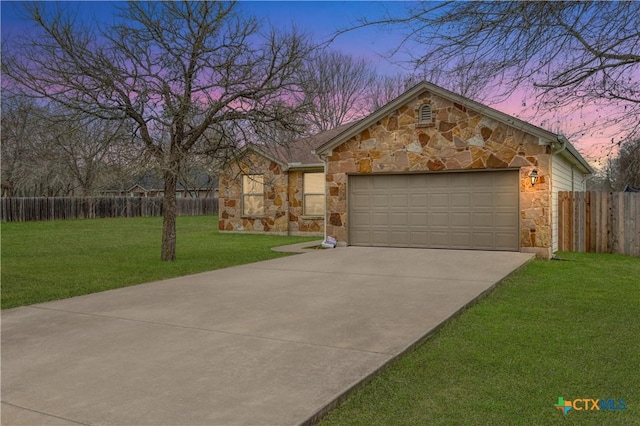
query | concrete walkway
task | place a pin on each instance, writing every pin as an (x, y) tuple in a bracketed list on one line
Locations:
[(270, 343)]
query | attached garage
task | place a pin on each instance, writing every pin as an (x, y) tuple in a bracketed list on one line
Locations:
[(464, 210)]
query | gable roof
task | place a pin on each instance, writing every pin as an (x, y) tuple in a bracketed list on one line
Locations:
[(545, 137), (299, 153)]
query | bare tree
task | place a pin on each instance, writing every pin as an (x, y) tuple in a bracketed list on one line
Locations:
[(336, 85), (90, 147), (176, 69), (571, 54), (31, 163), (620, 170), (56, 152), (17, 127), (628, 165), (386, 88)]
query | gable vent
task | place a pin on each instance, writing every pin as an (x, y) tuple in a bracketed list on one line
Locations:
[(425, 115)]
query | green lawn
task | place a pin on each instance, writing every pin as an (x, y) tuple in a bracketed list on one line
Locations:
[(44, 261), (554, 329)]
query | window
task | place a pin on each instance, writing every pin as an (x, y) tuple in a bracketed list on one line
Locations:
[(425, 115), (313, 194), (252, 195)]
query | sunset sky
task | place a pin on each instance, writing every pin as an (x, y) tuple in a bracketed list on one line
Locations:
[(321, 20)]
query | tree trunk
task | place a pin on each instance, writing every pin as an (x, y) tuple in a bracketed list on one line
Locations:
[(169, 212)]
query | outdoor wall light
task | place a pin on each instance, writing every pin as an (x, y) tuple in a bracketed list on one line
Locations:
[(534, 177)]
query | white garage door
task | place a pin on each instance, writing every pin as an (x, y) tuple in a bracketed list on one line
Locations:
[(471, 210)]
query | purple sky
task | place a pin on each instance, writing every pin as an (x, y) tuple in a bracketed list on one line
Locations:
[(318, 18), (321, 20)]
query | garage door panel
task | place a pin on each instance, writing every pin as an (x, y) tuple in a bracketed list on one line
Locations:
[(418, 200), (505, 220), (380, 237), (483, 219), (506, 240), (460, 239), (399, 238), (462, 219), (361, 218), (462, 181), (419, 238), (476, 210), (418, 183), (380, 184), (439, 219), (379, 219), (417, 219), (482, 180), (483, 199), (360, 201), (460, 200), (379, 201), (399, 182), (399, 200), (437, 181), (439, 200), (399, 219), (483, 240), (359, 185), (360, 234), (439, 239)]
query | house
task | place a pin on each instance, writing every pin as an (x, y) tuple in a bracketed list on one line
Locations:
[(430, 169), (280, 190)]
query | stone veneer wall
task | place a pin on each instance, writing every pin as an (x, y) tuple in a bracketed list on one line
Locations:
[(283, 194), (298, 223), (230, 216), (458, 139)]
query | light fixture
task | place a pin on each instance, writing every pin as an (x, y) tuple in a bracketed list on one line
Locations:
[(534, 177)]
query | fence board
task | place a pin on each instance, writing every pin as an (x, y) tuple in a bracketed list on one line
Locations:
[(580, 242), (24, 209), (600, 222)]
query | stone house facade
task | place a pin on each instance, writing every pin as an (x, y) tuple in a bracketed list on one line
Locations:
[(430, 169), (286, 202)]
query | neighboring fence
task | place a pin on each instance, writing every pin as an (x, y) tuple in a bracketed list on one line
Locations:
[(599, 222), (55, 208)]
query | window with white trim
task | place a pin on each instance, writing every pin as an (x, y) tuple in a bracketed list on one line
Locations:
[(252, 195), (313, 194), (425, 114)]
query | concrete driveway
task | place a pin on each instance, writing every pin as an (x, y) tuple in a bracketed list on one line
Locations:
[(270, 343)]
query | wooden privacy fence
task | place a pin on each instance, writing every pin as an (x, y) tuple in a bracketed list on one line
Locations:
[(599, 222), (56, 208)]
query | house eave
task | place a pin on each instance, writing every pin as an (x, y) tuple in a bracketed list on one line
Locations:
[(302, 166)]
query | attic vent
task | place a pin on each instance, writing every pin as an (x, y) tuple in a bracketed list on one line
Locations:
[(425, 115)]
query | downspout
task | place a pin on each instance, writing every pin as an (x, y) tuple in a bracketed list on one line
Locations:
[(286, 170), (324, 161), (556, 150), (324, 166), (563, 145)]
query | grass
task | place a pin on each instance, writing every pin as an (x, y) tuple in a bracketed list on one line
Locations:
[(554, 329), (44, 261)]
